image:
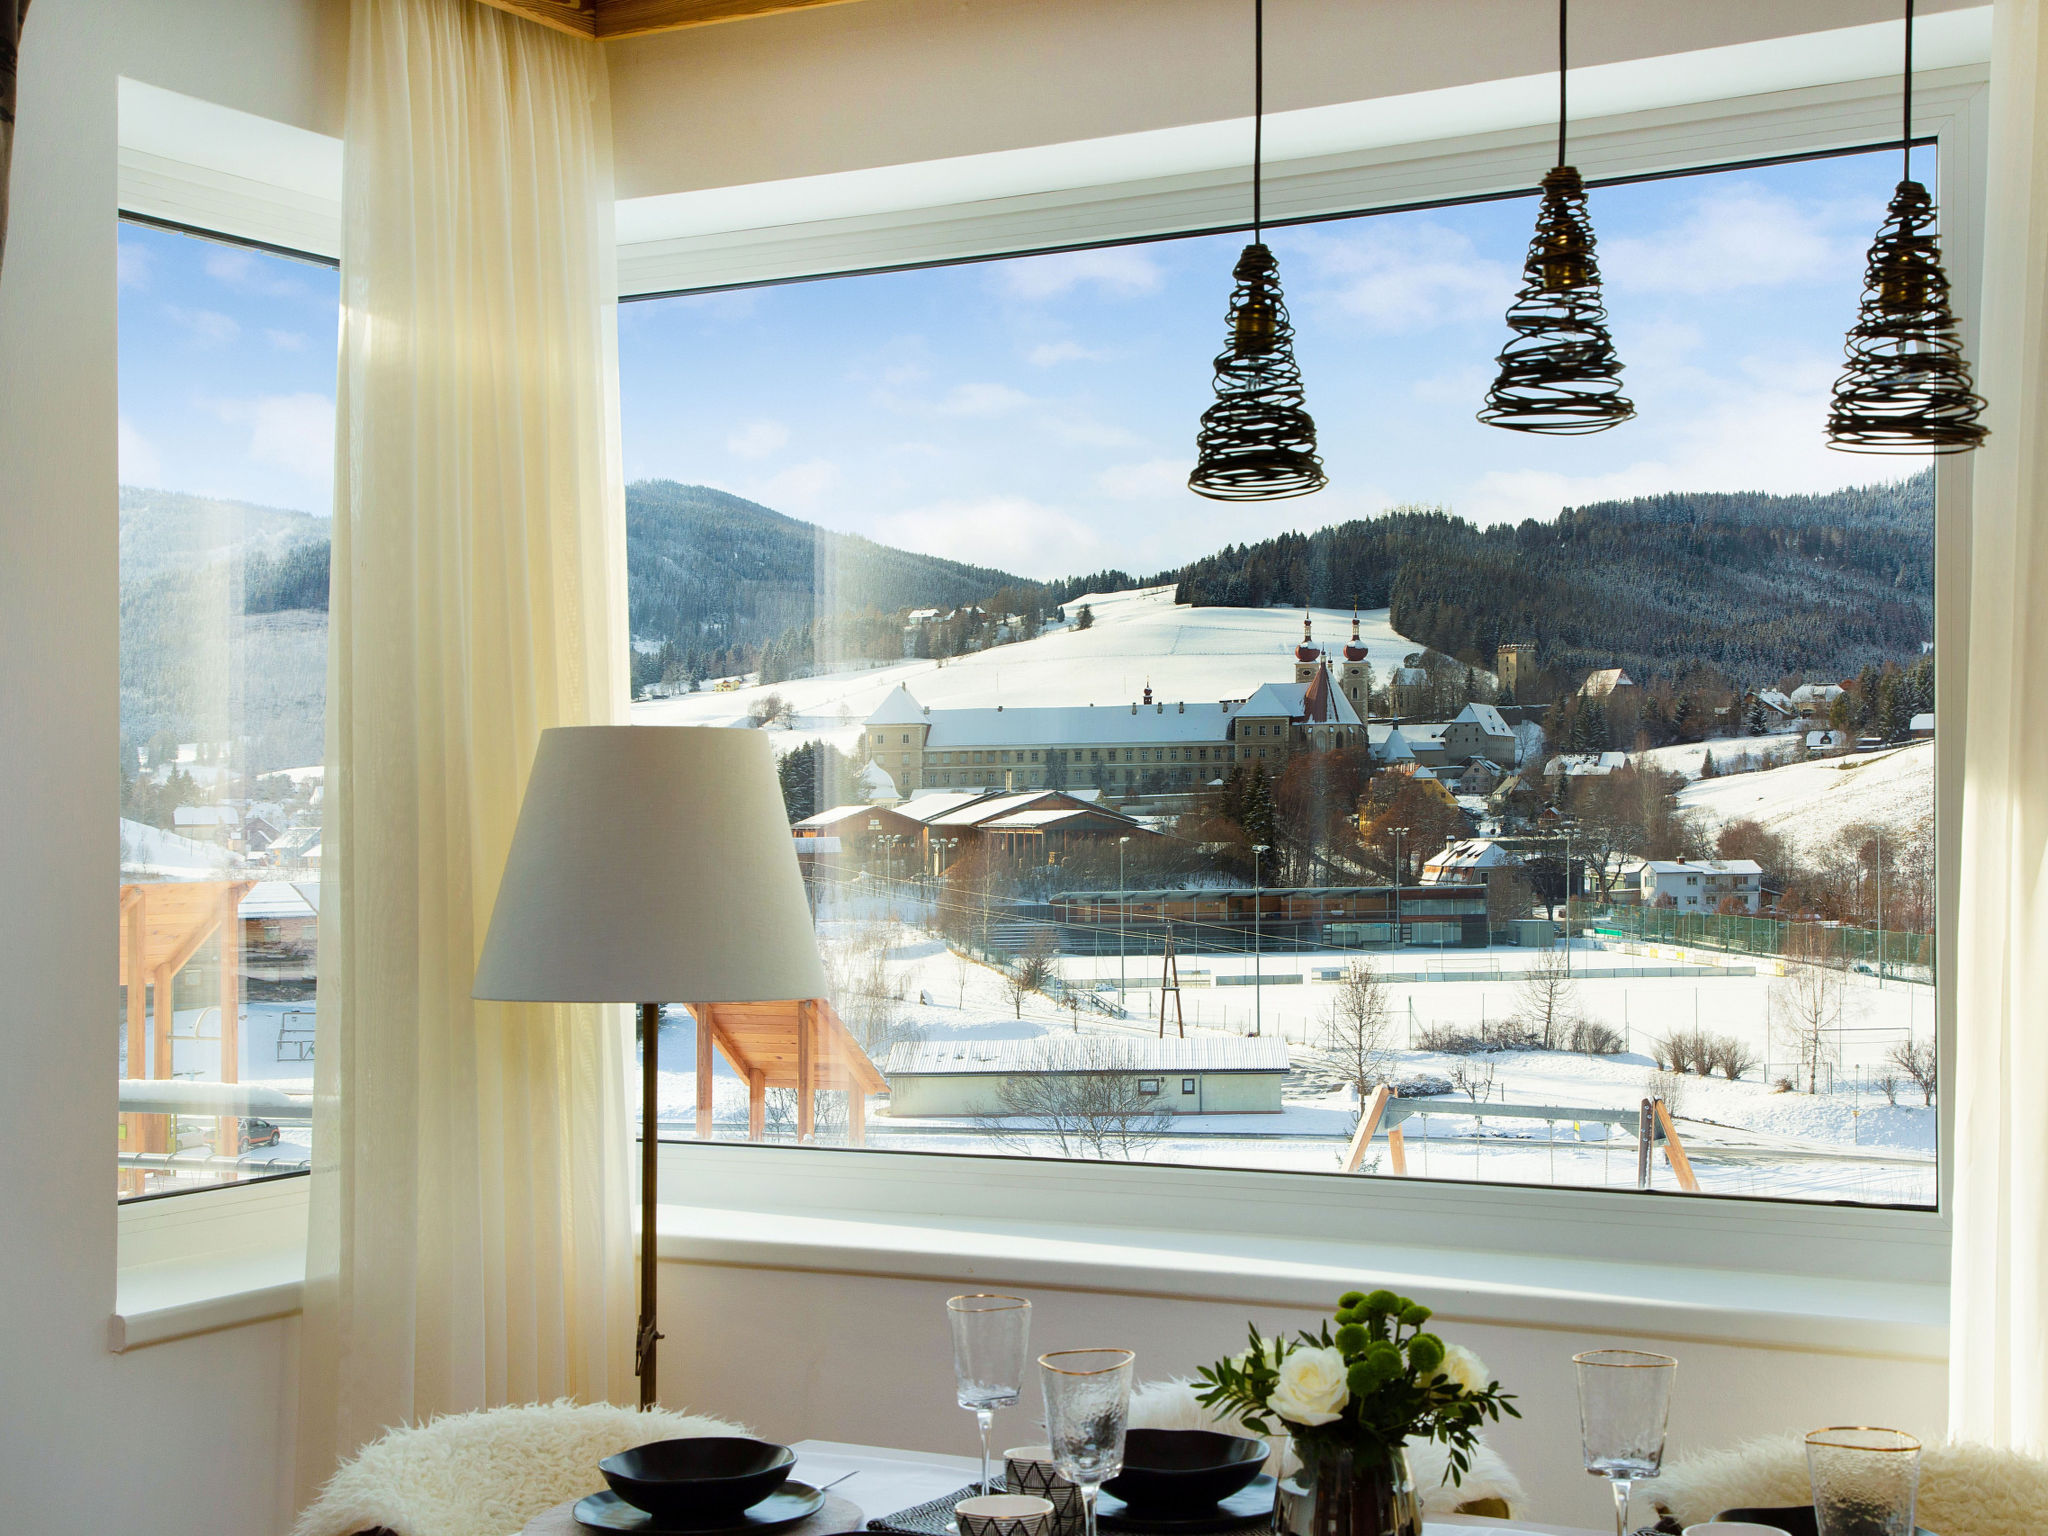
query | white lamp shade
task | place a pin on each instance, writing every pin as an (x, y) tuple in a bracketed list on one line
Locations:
[(651, 864)]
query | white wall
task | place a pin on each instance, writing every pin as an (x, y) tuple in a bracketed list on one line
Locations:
[(796, 1354), (191, 1436)]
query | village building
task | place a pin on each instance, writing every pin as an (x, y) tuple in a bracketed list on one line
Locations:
[(1701, 885), (1479, 731), (1605, 682)]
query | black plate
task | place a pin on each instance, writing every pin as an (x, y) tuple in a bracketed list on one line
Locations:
[(1255, 1502), (792, 1502)]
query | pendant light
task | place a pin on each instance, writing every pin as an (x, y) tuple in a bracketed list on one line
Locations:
[(1906, 388), (1559, 374), (1257, 443)]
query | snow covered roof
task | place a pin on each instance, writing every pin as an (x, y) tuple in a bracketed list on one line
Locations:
[(1806, 695), (1922, 722), (1471, 853), (1487, 718), (1059, 725), (899, 708), (928, 805), (1603, 682), (1703, 866), (874, 778), (281, 898), (1586, 764), (1388, 743), (1048, 819), (1774, 699), (1293, 701), (837, 814), (1202, 1053), (1825, 739), (978, 812), (1425, 733)]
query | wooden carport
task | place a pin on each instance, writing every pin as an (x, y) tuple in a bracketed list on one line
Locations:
[(162, 928), (803, 1045)]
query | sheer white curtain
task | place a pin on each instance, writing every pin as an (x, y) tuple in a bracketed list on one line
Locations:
[(472, 1238), (1998, 1350)]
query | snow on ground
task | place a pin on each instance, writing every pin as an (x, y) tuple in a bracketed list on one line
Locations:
[(1811, 804), (1745, 1137), (1137, 638), (1732, 754)]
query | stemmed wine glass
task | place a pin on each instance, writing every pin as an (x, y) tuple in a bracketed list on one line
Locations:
[(1624, 1402), (991, 1349), (1087, 1407)]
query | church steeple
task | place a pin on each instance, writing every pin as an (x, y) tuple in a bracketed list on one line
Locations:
[(1307, 656), (1356, 680)]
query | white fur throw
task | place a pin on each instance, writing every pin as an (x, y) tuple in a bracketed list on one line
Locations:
[(1965, 1490), (488, 1473), (1171, 1405)]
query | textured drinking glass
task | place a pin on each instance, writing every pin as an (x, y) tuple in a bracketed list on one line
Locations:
[(1624, 1401), (1864, 1481), (991, 1352), (1087, 1407)]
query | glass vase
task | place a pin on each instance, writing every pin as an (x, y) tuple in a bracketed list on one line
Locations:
[(1343, 1491)]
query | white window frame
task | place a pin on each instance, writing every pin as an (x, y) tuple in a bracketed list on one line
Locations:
[(1835, 1242)]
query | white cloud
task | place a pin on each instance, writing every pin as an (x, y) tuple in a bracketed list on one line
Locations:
[(286, 341), (132, 263), (757, 439), (1011, 533), (1399, 276), (982, 400), (799, 490), (139, 462), (246, 272), (1733, 237), (1144, 481), (1048, 354), (289, 432), (1124, 272), (209, 327)]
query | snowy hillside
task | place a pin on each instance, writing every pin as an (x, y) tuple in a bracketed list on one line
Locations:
[(1138, 637), (1809, 804), (1739, 754)]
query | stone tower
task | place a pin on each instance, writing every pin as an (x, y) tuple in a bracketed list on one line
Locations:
[(1355, 678), (1307, 655), (1516, 667)]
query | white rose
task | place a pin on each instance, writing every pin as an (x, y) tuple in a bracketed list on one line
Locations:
[(1463, 1369), (1263, 1354), (1312, 1388)]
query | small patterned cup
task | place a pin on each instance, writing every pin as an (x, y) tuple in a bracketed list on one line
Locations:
[(1030, 1469), (1004, 1514)]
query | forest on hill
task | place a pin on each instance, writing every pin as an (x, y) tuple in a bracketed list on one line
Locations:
[(1758, 586)]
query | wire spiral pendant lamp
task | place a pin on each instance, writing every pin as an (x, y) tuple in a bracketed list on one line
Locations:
[(1257, 442), (1559, 373), (1907, 387)]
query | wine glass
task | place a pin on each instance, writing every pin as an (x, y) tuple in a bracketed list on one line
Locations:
[(1624, 1401), (991, 1338), (1087, 1408)]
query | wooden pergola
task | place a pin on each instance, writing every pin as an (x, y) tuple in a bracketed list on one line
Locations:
[(803, 1045), (162, 928)]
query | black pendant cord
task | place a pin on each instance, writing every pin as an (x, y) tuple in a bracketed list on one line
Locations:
[(1563, 71), (1258, 117), (1906, 127)]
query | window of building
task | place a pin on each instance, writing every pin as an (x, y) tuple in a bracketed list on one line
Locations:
[(985, 365), (1187, 1085), (227, 358)]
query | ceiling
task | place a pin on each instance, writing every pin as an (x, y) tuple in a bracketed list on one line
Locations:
[(635, 18)]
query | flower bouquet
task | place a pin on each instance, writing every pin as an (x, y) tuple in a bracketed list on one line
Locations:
[(1351, 1399)]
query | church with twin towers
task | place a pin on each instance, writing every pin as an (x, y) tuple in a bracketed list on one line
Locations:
[(1151, 746)]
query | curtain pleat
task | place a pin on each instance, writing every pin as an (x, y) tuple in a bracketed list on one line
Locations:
[(471, 1234), (1998, 1333)]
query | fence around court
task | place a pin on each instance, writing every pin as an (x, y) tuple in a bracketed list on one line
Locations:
[(1894, 952)]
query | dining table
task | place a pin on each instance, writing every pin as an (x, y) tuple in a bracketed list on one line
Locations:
[(863, 1482)]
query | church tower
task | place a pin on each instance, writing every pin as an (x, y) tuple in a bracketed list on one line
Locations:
[(1307, 657), (1356, 676), (1515, 665)]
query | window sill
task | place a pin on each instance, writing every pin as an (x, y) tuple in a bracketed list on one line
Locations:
[(1832, 1315), (155, 1303)]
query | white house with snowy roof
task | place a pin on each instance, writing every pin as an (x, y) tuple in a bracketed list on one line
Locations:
[(1151, 746), (1701, 884)]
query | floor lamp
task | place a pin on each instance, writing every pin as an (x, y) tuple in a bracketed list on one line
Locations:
[(651, 865)]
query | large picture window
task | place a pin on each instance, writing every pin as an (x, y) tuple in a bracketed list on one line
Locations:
[(227, 440), (1579, 793)]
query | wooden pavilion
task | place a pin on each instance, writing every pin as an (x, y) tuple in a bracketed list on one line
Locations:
[(803, 1045)]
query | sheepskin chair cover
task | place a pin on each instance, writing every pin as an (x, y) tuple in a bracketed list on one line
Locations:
[(1171, 1404), (487, 1473), (1965, 1490)]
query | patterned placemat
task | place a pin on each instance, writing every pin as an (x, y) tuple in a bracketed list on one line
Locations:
[(934, 1517)]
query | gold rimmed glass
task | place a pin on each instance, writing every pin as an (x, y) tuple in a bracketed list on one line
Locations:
[(1865, 1480), (1087, 1408), (991, 1352), (1624, 1404)]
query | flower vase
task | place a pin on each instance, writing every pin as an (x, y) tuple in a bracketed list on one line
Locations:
[(1340, 1491)]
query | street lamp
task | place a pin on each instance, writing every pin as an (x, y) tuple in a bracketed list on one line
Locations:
[(1122, 907), (1258, 1020), (1400, 871)]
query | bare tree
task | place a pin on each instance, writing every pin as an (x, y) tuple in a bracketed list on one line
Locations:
[(1671, 1087), (1509, 895), (1032, 972), (771, 709), (1358, 1042), (1888, 1085), (1549, 1001), (1806, 1017), (1085, 1093), (1916, 1058), (962, 969), (1473, 1077), (1731, 1058)]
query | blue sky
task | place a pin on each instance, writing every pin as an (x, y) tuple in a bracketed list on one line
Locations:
[(1038, 414)]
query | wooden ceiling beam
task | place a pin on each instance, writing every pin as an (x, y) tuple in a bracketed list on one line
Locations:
[(637, 18)]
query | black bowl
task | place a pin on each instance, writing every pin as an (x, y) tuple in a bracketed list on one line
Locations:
[(1184, 1469), (1792, 1519), (701, 1480)]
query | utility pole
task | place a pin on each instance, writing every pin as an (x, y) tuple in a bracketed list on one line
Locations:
[(1258, 1015), (1122, 907)]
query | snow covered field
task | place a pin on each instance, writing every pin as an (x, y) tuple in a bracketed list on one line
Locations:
[(1137, 637), (1811, 804), (1745, 1137)]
